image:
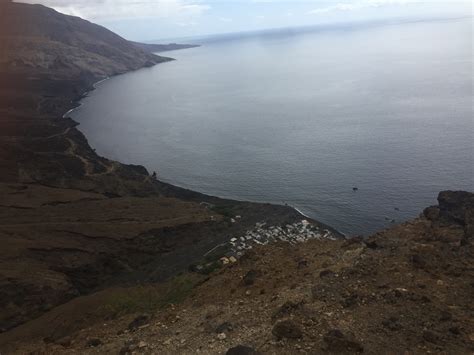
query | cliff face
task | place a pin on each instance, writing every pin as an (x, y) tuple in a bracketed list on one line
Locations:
[(37, 37)]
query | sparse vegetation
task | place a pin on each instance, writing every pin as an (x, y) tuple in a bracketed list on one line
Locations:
[(210, 267), (224, 210), (150, 298), (217, 253), (211, 261)]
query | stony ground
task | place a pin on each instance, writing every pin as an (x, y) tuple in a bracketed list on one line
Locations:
[(408, 289)]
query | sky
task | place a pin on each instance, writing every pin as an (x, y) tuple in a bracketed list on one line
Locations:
[(149, 20)]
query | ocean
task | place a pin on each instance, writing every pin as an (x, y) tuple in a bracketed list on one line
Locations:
[(303, 117)]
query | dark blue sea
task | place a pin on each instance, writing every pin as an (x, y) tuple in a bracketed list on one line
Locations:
[(303, 117)]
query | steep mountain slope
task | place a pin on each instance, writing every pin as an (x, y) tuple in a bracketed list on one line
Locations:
[(34, 36), (48, 61)]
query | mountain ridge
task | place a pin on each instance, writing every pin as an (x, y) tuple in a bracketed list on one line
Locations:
[(35, 36)]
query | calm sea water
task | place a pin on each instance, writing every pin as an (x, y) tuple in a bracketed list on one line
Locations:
[(303, 118)]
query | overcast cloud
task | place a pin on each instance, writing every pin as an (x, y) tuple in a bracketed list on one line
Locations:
[(124, 9), (155, 19)]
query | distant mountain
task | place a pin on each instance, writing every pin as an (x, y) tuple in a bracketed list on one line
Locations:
[(155, 48), (35, 36)]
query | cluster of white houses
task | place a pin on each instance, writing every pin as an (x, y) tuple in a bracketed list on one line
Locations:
[(292, 233)]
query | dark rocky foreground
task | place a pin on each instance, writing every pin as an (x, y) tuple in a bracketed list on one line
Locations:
[(72, 222), (407, 289)]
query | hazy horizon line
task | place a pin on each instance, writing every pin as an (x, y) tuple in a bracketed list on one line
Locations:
[(215, 37)]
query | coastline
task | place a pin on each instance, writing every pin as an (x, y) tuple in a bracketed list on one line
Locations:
[(84, 95), (87, 215), (88, 223), (177, 187)]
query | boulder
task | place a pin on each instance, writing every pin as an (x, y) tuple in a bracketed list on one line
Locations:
[(287, 329), (469, 224), (392, 324), (371, 244), (430, 336), (93, 343), (338, 342), (224, 327), (221, 336), (139, 322), (454, 205), (64, 342), (250, 277), (326, 273), (286, 309), (242, 350), (128, 348), (350, 300), (432, 213)]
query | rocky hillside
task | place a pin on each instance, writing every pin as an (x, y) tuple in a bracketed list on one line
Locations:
[(35, 36), (408, 289), (73, 223), (47, 62)]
